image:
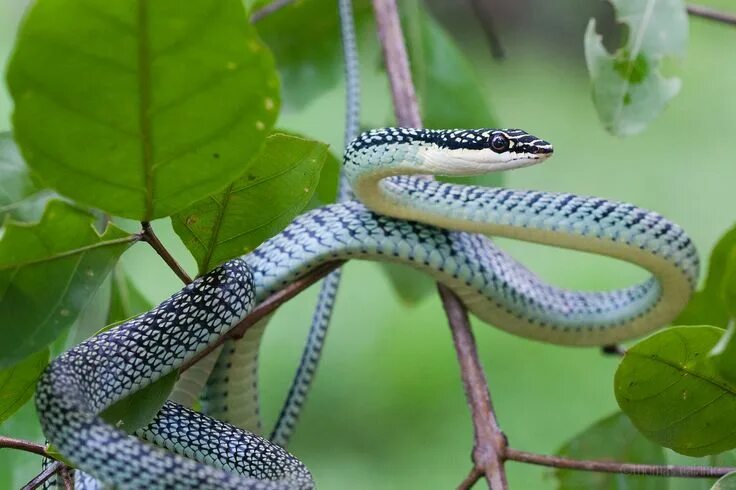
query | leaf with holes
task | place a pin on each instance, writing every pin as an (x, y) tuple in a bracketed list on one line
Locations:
[(612, 439), (48, 272), (18, 382), (20, 198), (255, 207), (146, 106), (674, 394), (629, 90)]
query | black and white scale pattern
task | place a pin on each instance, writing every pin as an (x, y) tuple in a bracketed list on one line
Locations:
[(493, 285), (84, 381)]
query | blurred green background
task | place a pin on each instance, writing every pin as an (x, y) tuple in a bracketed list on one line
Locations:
[(387, 410)]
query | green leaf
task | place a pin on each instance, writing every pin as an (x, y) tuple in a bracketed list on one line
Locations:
[(48, 272), (146, 106), (329, 178), (613, 438), (674, 393), (18, 382), (723, 354), (450, 92), (727, 482), (255, 207), (139, 408), (126, 300), (20, 198), (708, 306), (304, 37), (410, 285), (629, 89)]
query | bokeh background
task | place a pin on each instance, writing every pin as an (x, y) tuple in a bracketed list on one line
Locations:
[(387, 410)]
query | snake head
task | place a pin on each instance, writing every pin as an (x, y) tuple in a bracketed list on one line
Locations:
[(477, 151)]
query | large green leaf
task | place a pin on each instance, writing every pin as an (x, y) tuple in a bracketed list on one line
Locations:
[(17, 383), (708, 306), (48, 272), (140, 108), (305, 39), (20, 198), (612, 439), (125, 298), (727, 482), (255, 207), (139, 408), (450, 92), (674, 393), (629, 89)]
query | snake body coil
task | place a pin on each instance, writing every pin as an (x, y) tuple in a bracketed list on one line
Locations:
[(428, 225)]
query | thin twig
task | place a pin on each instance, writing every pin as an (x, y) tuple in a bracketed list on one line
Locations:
[(41, 478), (28, 446), (489, 440), (67, 477), (397, 64), (620, 468), (150, 237), (490, 443), (268, 306), (470, 480), (269, 9), (711, 14), (485, 17)]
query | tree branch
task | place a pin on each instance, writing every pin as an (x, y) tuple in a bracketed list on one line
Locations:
[(267, 10), (489, 440), (150, 237), (711, 14), (619, 468), (45, 474), (268, 306), (28, 446)]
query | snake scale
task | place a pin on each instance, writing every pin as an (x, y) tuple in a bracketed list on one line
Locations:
[(400, 217)]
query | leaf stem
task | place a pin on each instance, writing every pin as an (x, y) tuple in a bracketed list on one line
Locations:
[(269, 9), (150, 237), (619, 468), (28, 446), (711, 14), (45, 474)]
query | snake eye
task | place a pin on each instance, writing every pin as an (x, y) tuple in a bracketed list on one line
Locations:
[(499, 143)]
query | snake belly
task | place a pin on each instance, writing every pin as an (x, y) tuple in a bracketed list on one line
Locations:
[(439, 228)]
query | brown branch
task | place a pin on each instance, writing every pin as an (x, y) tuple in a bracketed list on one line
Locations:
[(28, 446), (268, 306), (489, 440), (711, 14), (150, 237), (470, 480), (397, 63), (619, 468), (45, 474), (269, 9)]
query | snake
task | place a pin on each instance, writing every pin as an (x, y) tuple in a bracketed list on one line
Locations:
[(397, 216)]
